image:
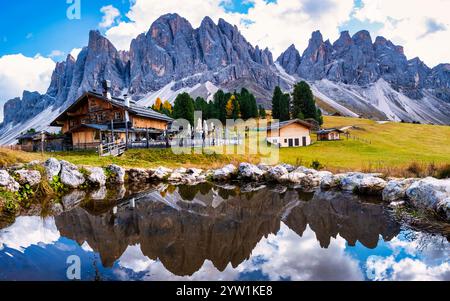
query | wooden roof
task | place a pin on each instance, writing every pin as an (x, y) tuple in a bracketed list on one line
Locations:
[(116, 102)]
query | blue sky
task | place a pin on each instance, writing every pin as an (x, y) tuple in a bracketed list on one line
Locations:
[(44, 26)]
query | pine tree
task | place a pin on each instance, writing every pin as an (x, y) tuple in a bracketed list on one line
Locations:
[(276, 102), (303, 102), (284, 107), (262, 112), (201, 105), (220, 101), (319, 117), (184, 107)]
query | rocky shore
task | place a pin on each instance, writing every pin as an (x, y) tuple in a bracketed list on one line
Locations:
[(429, 193)]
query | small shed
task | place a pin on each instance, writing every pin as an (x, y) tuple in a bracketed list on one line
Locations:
[(329, 135)]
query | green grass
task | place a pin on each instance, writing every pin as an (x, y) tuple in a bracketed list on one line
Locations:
[(148, 158), (393, 148)]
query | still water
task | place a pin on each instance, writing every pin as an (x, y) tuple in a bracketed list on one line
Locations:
[(223, 233)]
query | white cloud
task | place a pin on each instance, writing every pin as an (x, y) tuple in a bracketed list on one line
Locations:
[(275, 257), (422, 27), (75, 52), (110, 15), (56, 53), (18, 73), (27, 231)]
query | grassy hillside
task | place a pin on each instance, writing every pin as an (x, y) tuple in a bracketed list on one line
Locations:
[(390, 147), (377, 146)]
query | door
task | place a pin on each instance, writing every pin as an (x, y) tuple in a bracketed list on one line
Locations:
[(291, 142), (297, 142), (304, 141)]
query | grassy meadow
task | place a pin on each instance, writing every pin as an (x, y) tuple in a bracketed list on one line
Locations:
[(391, 148)]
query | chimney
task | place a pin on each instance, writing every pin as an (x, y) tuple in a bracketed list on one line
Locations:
[(126, 99), (106, 84)]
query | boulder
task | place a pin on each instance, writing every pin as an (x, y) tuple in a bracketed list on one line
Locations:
[(30, 177), (350, 181), (292, 178), (263, 166), (70, 175), (7, 182), (138, 175), (395, 189), (305, 170), (431, 194), (250, 172), (177, 175), (331, 181), (371, 186), (96, 176), (275, 173), (196, 172), (288, 167), (161, 173), (116, 174), (52, 168), (225, 173)]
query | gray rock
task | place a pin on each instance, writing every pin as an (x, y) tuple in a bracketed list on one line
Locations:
[(225, 173), (276, 172), (7, 182), (31, 177), (363, 183), (70, 175), (250, 172), (395, 190), (138, 175), (161, 173), (292, 178), (52, 168), (332, 181), (431, 194), (117, 174), (371, 186), (96, 176)]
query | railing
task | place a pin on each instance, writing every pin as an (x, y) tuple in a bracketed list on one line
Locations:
[(114, 149)]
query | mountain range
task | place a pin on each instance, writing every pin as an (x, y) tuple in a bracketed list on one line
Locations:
[(354, 76)]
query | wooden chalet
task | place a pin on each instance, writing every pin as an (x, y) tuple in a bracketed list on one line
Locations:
[(329, 135), (97, 119)]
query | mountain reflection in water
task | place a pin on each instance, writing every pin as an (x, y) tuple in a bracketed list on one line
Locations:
[(212, 233)]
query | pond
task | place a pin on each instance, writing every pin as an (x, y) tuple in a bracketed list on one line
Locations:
[(209, 232)]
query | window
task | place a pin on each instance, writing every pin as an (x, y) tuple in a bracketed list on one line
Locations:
[(117, 116), (71, 123), (297, 142), (97, 135), (285, 140)]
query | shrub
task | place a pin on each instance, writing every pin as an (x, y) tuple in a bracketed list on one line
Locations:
[(316, 165), (444, 172), (415, 169)]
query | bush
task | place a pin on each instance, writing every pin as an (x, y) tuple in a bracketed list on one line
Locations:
[(415, 169), (444, 172), (316, 165)]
